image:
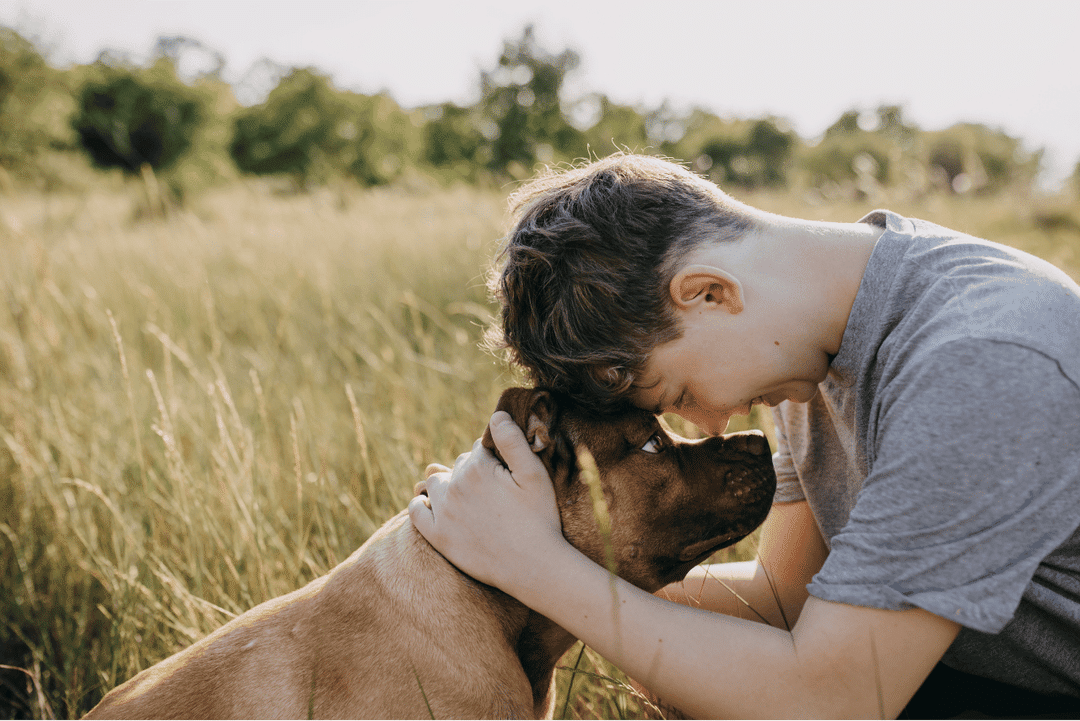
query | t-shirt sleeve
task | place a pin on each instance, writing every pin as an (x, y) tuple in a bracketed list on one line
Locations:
[(788, 487), (976, 479)]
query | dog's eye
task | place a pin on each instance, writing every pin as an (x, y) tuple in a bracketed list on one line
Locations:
[(652, 445)]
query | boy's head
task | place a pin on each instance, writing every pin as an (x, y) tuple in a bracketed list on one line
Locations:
[(584, 275)]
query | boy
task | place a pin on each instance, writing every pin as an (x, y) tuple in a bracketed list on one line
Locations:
[(926, 392)]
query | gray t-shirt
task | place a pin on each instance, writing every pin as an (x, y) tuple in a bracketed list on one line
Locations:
[(941, 457)]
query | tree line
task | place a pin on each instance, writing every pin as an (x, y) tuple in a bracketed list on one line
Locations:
[(132, 116)]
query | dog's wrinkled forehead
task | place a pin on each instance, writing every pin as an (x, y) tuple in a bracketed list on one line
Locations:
[(628, 427), (555, 426)]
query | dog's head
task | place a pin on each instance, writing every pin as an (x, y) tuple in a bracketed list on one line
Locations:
[(672, 502)]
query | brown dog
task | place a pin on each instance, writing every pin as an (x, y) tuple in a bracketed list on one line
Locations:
[(397, 632)]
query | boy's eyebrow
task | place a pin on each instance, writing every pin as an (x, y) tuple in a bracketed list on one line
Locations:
[(660, 405)]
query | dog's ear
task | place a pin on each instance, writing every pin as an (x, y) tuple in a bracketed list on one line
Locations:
[(533, 409)]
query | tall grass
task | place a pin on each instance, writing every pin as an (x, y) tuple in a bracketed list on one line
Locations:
[(201, 412)]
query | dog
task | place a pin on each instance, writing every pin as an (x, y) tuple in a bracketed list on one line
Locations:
[(396, 631)]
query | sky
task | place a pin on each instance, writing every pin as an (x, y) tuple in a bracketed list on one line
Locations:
[(1009, 64)]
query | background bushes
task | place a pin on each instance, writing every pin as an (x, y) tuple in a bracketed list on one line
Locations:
[(119, 114), (127, 118)]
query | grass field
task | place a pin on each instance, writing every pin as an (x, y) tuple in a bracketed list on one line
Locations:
[(203, 411)]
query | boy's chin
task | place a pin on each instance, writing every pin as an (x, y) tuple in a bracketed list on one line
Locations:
[(796, 393)]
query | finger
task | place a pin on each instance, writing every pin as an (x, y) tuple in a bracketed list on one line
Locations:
[(436, 481), (435, 468), (513, 445), (421, 515)]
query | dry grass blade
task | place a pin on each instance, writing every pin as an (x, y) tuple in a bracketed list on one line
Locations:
[(130, 397), (570, 684), (427, 704), (590, 475), (34, 678)]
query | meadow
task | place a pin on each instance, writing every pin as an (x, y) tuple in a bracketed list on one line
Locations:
[(205, 409)]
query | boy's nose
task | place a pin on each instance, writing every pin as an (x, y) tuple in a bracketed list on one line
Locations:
[(713, 425)]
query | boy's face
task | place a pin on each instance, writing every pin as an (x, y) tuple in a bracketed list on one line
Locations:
[(722, 366)]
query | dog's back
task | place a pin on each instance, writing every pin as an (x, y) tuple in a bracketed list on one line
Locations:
[(376, 637)]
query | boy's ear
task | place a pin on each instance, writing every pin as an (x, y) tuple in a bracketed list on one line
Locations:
[(697, 285)]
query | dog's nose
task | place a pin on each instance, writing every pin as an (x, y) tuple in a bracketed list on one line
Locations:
[(752, 442)]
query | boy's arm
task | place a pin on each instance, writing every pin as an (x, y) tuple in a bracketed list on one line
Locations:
[(838, 660), (790, 552)]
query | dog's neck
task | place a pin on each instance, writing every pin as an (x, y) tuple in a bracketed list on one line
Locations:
[(540, 645), (538, 641)]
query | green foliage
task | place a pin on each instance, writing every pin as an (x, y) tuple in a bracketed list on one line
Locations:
[(975, 157), (32, 103), (851, 155), (521, 107), (741, 153), (22, 75), (452, 142), (748, 159), (385, 139), (309, 130), (618, 126), (312, 132), (966, 157), (129, 117), (290, 133)]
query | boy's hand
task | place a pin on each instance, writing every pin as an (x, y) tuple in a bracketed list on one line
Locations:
[(489, 521)]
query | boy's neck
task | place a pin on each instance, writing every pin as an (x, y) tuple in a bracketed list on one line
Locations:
[(808, 270)]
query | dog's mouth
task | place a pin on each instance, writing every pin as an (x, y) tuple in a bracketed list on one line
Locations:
[(675, 569), (698, 552)]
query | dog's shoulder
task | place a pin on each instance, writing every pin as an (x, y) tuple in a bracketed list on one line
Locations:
[(403, 572), (455, 636)]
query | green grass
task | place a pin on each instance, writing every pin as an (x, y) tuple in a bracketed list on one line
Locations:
[(202, 412)]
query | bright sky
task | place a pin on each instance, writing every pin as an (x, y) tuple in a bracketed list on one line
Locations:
[(1009, 64)]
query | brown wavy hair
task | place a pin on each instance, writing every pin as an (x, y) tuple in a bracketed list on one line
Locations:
[(583, 276)]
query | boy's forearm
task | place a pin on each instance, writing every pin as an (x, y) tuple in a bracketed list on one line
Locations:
[(772, 587), (742, 589), (675, 651), (713, 665)]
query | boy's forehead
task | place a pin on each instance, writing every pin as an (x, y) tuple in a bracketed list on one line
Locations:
[(648, 391)]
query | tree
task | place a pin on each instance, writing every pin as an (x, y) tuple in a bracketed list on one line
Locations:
[(25, 81), (383, 139), (192, 59), (128, 117), (618, 126), (744, 153), (308, 130), (293, 130), (521, 106), (854, 154), (974, 157), (452, 141)]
